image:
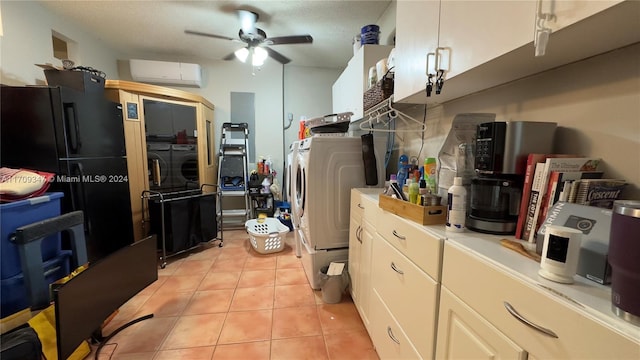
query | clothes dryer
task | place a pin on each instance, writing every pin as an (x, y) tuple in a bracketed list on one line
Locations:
[(328, 168), (184, 165)]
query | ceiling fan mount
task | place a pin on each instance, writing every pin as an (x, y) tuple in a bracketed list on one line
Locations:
[(254, 37)]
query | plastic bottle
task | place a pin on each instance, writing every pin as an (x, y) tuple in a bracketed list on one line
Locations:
[(430, 174), (260, 166), (414, 189), (403, 165), (457, 206), (267, 166)]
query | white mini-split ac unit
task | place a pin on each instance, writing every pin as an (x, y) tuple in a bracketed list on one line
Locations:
[(163, 72)]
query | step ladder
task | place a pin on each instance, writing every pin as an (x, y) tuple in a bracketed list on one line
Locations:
[(233, 175)]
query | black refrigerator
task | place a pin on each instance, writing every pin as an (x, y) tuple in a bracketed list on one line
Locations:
[(79, 136)]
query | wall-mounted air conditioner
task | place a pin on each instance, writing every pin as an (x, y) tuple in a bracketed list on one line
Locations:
[(163, 72)]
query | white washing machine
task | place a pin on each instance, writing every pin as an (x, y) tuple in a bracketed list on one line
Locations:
[(184, 165), (328, 168), (292, 165), (159, 154)]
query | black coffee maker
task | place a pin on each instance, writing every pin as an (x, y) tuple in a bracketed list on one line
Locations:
[(501, 153)]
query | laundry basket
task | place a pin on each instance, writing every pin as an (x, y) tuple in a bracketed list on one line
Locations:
[(267, 236)]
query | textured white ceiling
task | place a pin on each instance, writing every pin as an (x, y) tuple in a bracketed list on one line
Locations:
[(155, 29)]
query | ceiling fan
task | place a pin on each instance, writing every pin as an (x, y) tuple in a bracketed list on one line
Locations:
[(256, 41)]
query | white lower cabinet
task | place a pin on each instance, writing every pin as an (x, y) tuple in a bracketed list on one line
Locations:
[(545, 327), (423, 297), (463, 334), (408, 292), (387, 335), (363, 214)]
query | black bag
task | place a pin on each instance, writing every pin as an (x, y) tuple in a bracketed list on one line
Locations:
[(21, 344), (369, 159)]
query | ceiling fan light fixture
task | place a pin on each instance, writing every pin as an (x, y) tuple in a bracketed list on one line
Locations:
[(259, 56), (242, 54), (248, 21)]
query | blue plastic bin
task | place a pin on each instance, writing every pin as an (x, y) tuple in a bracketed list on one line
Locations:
[(24, 212), (13, 293)]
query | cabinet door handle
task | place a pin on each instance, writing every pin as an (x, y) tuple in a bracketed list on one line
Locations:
[(390, 333), (395, 268), (360, 206), (359, 234), (527, 322), (395, 233)]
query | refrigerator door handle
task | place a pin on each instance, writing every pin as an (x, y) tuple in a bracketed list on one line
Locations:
[(71, 119), (82, 197)]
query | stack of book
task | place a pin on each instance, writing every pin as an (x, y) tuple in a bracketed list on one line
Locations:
[(550, 178)]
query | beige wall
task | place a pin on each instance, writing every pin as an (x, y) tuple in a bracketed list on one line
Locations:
[(596, 103)]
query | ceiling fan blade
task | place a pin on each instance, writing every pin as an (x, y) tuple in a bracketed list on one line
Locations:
[(277, 56), (191, 32), (294, 39)]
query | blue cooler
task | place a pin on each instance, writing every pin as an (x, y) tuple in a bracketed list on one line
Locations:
[(20, 213)]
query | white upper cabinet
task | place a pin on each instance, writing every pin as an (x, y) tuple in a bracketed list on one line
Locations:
[(416, 36), (475, 32), (482, 44), (569, 12)]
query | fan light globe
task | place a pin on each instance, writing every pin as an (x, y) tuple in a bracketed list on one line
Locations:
[(259, 56), (242, 54)]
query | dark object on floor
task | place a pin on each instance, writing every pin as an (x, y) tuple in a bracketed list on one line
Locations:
[(189, 219), (21, 344)]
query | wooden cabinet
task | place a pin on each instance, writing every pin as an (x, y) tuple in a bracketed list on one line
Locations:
[(416, 36), (474, 32), (409, 294), (468, 297), (132, 95), (539, 322), (484, 44), (347, 92), (387, 335), (464, 334), (403, 283), (363, 215)]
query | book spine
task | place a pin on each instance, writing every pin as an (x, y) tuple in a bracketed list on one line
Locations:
[(532, 207), (550, 195), (532, 160)]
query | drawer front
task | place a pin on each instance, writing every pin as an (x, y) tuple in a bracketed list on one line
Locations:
[(409, 293), (356, 209), (487, 288), (371, 209), (388, 338), (414, 242)]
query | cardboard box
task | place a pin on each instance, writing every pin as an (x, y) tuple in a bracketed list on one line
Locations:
[(595, 224), (424, 215)]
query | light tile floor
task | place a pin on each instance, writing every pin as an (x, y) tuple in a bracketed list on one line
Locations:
[(233, 303)]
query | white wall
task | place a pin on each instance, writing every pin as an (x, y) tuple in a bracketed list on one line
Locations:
[(307, 91), (27, 41)]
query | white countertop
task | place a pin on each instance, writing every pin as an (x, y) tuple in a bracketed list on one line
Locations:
[(588, 297)]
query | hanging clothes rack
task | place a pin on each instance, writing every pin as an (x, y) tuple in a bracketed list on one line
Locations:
[(384, 113)]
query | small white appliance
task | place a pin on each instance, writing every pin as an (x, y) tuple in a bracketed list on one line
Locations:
[(328, 167), (560, 253)]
